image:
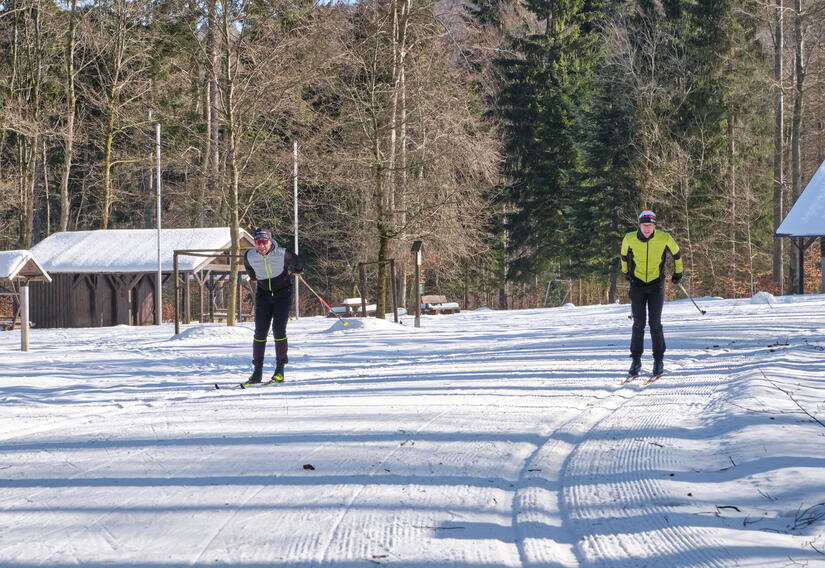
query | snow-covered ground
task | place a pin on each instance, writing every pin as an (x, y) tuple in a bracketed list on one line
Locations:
[(482, 439)]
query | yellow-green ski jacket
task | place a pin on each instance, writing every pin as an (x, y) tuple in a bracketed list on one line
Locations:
[(644, 259)]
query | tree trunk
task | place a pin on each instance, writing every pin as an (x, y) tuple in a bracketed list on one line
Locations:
[(778, 166), (732, 202), (381, 226), (213, 109), (106, 197), (71, 105), (232, 164), (615, 267), (112, 101), (35, 80), (796, 136)]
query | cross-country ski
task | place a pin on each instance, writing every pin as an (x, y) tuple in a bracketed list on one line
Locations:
[(652, 379)]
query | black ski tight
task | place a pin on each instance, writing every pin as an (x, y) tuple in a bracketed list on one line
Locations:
[(647, 302), (271, 310)]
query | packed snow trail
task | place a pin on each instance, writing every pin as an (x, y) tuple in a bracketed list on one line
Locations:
[(482, 439)]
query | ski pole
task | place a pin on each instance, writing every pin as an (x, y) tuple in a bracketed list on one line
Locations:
[(691, 299), (326, 305)]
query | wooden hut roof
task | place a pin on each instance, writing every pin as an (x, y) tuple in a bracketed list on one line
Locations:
[(807, 216), (20, 264), (130, 250)]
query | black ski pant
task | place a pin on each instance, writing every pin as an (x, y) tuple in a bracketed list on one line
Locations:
[(271, 310), (646, 303)]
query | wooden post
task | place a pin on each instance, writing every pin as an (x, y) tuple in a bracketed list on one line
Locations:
[(239, 302), (211, 297), (394, 285), (822, 264), (24, 319), (800, 265), (158, 286), (176, 302), (363, 280), (187, 299)]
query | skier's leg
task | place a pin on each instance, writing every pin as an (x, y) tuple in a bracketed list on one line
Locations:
[(655, 301), (281, 307), (263, 318), (637, 304)]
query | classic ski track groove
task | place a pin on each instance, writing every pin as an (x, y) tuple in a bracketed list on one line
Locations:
[(606, 537), (333, 531), (542, 479), (567, 472)]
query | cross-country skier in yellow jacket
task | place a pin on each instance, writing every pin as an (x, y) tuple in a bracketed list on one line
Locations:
[(643, 263)]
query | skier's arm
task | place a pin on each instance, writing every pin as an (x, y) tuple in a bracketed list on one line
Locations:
[(677, 260), (625, 249), (295, 261), (248, 267)]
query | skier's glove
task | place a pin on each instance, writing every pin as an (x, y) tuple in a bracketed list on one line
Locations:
[(676, 279)]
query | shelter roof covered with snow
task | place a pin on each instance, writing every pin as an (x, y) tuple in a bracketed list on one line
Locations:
[(807, 216), (21, 264), (130, 250)]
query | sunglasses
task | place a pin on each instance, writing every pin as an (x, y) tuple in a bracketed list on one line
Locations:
[(261, 242)]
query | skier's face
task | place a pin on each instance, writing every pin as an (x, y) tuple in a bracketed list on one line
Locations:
[(263, 245), (647, 228)]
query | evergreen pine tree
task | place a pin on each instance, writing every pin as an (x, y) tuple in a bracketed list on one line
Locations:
[(547, 89)]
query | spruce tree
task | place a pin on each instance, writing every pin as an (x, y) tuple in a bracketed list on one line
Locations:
[(547, 87)]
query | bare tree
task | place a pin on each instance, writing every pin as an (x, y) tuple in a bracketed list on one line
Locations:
[(265, 61), (415, 160), (120, 85), (71, 111)]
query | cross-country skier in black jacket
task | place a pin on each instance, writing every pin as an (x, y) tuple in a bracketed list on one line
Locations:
[(267, 265)]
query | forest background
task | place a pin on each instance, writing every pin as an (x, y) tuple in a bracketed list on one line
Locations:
[(518, 140)]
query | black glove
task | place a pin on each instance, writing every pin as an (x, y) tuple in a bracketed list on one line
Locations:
[(676, 278)]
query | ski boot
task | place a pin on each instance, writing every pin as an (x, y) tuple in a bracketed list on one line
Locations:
[(635, 367), (255, 378), (633, 372), (277, 377), (658, 367)]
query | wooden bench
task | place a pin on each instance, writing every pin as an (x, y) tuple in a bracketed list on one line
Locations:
[(350, 308), (438, 304), (220, 317), (8, 324)]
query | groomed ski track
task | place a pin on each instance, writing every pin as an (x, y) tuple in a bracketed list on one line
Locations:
[(493, 443)]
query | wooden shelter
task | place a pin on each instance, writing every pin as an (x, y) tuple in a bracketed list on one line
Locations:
[(107, 277), (805, 224), (18, 268)]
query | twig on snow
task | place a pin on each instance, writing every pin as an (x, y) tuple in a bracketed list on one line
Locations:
[(809, 516), (790, 396)]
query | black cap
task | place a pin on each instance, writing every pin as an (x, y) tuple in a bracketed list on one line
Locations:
[(263, 233)]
